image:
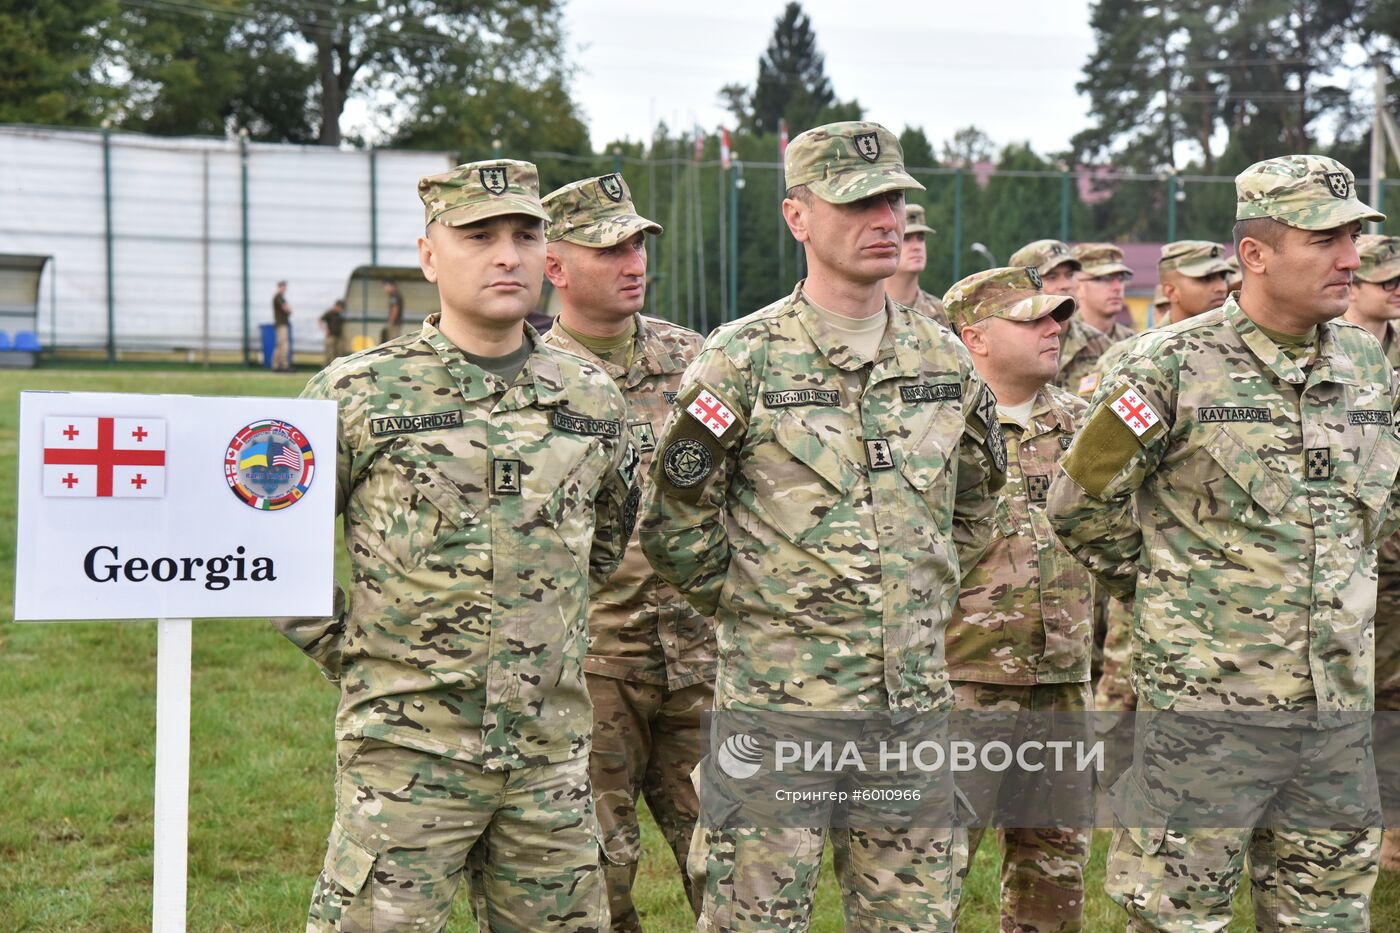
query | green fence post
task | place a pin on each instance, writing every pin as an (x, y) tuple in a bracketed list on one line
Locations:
[(247, 272), (957, 223), (736, 181), (1064, 206), (107, 213), (373, 206), (1171, 208)]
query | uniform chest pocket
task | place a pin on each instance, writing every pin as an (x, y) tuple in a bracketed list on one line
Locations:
[(799, 479), (1247, 471), (928, 457), (412, 503), (569, 489)]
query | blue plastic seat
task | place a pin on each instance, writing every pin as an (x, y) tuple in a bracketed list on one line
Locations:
[(27, 340), (5, 341)]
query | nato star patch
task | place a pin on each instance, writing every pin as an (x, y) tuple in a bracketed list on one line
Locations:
[(1319, 464)]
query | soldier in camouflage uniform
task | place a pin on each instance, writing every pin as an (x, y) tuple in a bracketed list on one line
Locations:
[(903, 286), (830, 466), (1257, 442), (486, 481), (1080, 344), (1020, 637), (1375, 306), (651, 657), (1098, 290), (1193, 273)]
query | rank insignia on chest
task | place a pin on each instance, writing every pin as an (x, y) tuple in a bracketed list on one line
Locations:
[(1319, 463), (505, 477), (1066, 440), (670, 397), (1037, 486), (877, 453), (646, 437)]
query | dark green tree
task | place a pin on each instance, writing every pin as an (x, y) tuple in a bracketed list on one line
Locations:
[(410, 51), (50, 62), (1170, 72), (524, 118), (202, 71), (792, 84)]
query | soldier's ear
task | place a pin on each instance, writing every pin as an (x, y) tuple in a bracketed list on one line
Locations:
[(554, 268), (974, 339), (1254, 254), (795, 212), (427, 259)]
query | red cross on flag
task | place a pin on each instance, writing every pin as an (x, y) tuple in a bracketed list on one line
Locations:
[(1135, 412), (710, 411), (91, 457)]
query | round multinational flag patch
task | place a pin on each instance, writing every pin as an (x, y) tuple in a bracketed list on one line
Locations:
[(269, 464)]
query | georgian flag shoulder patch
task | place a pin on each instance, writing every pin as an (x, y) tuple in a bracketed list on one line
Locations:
[(1133, 410), (711, 413)]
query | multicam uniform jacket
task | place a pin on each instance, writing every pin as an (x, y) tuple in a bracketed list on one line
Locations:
[(1261, 493), (1025, 614), (639, 628), (1388, 595), (1080, 349), (469, 510), (823, 507), (933, 307)]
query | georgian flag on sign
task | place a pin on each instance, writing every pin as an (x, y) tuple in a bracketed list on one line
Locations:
[(94, 457), (1135, 412), (710, 411)]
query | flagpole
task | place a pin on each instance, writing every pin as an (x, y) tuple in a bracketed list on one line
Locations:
[(170, 861)]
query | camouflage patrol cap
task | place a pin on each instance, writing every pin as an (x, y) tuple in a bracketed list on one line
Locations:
[(1012, 292), (915, 221), (596, 212), (1193, 258), (481, 190), (1096, 259), (1380, 258), (1304, 191), (1044, 255), (1236, 278), (1159, 299), (844, 162)]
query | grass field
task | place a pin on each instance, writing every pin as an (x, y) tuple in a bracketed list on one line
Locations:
[(77, 732)]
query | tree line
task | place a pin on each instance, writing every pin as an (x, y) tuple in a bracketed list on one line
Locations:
[(1175, 88)]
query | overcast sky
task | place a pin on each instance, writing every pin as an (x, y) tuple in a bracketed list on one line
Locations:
[(1008, 66)]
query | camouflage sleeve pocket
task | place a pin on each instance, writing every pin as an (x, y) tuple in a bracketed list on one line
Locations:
[(1375, 485), (704, 427), (348, 866)]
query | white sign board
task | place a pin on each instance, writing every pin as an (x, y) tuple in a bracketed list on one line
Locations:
[(171, 506)]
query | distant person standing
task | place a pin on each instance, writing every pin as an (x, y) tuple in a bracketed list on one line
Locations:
[(333, 324), (395, 321), (282, 321)]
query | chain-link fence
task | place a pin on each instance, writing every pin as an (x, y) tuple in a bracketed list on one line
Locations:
[(177, 244), (726, 250)]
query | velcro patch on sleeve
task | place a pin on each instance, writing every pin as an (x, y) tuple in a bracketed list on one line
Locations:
[(695, 444), (710, 410)]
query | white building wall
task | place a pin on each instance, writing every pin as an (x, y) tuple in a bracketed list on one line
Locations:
[(309, 221)]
